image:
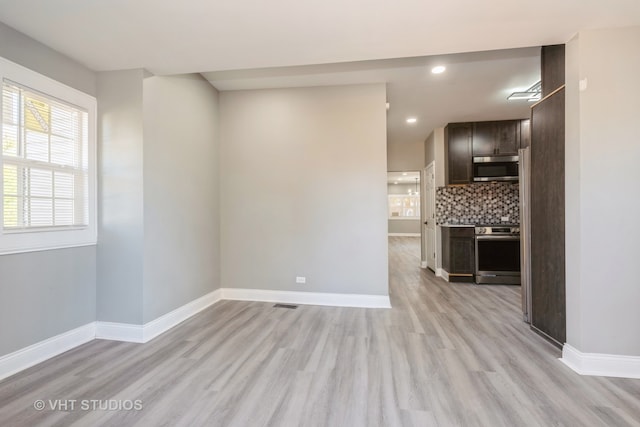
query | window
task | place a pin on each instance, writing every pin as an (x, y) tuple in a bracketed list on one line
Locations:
[(404, 206), (48, 163)]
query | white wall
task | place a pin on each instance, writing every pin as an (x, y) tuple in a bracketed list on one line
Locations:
[(602, 203), (181, 194), (303, 189)]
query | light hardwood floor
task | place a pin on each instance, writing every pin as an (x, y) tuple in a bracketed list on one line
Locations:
[(445, 354)]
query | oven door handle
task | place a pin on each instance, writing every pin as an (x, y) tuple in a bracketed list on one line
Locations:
[(497, 237)]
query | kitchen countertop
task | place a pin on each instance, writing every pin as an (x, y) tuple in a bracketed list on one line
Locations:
[(478, 225)]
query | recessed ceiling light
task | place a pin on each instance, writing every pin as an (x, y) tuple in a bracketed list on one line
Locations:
[(439, 69), (404, 174), (388, 105), (395, 182), (412, 120)]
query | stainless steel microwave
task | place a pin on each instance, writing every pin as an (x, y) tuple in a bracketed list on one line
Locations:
[(495, 168)]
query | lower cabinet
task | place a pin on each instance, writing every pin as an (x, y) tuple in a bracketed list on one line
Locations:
[(458, 253)]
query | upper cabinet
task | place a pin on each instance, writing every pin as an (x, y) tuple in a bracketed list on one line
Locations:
[(458, 161), (496, 138), (463, 141)]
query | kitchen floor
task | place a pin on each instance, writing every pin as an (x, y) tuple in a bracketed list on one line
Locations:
[(445, 354)]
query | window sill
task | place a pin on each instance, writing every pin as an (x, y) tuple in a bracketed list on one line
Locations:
[(45, 248)]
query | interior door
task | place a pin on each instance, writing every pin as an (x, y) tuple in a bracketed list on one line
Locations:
[(430, 215)]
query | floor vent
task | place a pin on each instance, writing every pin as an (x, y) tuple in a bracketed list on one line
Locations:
[(291, 306)]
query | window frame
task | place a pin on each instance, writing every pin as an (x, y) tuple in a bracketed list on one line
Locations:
[(402, 196), (36, 239)]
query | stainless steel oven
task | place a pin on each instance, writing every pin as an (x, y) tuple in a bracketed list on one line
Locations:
[(497, 254)]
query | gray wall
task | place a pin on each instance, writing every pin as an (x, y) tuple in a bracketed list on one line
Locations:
[(434, 152), (159, 212), (429, 149), (181, 200), (303, 189), (401, 188), (602, 203), (46, 293), (29, 53), (404, 226), (407, 156), (120, 195)]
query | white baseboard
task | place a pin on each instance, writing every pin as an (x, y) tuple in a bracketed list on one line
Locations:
[(119, 332), (148, 331), (404, 234), (423, 264), (444, 274), (439, 272), (601, 365), (167, 321), (24, 358), (311, 298)]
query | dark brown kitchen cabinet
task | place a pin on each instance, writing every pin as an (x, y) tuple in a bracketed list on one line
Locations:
[(552, 68), (458, 161), (548, 312), (458, 253), (496, 138)]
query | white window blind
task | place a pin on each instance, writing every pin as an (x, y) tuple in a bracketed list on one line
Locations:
[(45, 161)]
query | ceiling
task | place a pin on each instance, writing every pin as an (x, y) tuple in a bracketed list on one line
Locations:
[(248, 44), (172, 37), (474, 87)]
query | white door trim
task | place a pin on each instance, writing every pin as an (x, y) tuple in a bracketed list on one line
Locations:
[(432, 202)]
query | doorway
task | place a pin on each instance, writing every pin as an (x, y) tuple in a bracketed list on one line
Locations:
[(405, 211)]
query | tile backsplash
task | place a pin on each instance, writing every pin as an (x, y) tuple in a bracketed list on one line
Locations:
[(478, 203)]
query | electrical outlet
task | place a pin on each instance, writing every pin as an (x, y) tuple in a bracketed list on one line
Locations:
[(583, 84), (301, 279), (505, 218)]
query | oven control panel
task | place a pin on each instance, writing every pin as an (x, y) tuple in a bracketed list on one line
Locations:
[(497, 230)]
